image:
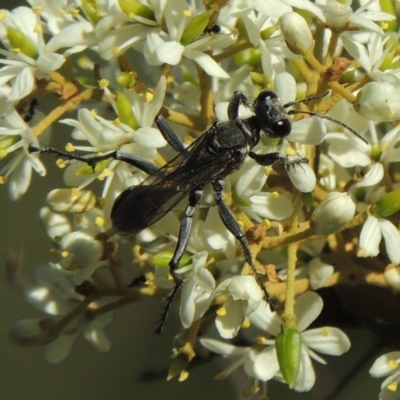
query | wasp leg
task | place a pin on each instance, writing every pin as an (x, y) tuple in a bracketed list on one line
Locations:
[(169, 134), (183, 239), (231, 224), (93, 159), (233, 106), (270, 158)]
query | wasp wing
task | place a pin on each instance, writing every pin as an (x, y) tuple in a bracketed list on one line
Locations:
[(141, 206)]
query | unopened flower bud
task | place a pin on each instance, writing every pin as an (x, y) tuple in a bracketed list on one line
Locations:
[(84, 249), (332, 214), (378, 101), (71, 200), (126, 79), (30, 332), (288, 351), (296, 32)]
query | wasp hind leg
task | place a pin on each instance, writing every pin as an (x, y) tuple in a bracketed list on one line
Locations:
[(231, 224), (183, 239)]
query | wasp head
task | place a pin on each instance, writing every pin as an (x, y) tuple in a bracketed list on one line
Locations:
[(272, 117)]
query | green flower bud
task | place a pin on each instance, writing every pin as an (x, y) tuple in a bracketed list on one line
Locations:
[(308, 199), (125, 112), (92, 10), (388, 204), (8, 141), (258, 79), (126, 80), (250, 57), (19, 41), (268, 32), (288, 351), (134, 7), (195, 28), (163, 259)]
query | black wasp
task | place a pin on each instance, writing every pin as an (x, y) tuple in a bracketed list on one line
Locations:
[(220, 151)]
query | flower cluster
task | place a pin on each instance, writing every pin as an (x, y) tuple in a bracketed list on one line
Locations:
[(308, 198)]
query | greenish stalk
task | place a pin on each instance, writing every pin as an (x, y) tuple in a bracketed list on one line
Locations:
[(289, 317), (332, 48)]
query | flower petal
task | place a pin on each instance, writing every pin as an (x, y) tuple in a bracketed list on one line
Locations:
[(207, 63), (382, 365), (370, 236), (392, 240), (327, 340), (306, 378), (308, 307), (266, 364)]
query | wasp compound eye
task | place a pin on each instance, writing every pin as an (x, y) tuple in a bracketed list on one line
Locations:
[(281, 128)]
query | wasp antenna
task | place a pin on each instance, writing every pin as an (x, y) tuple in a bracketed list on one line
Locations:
[(293, 112), (305, 100)]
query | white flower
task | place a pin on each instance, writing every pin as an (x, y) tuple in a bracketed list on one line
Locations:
[(57, 13), (378, 101), (240, 356), (104, 135), (21, 68), (15, 137), (158, 50), (327, 340), (371, 235), (196, 292), (275, 8), (388, 365), (339, 16), (55, 295), (243, 297)]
